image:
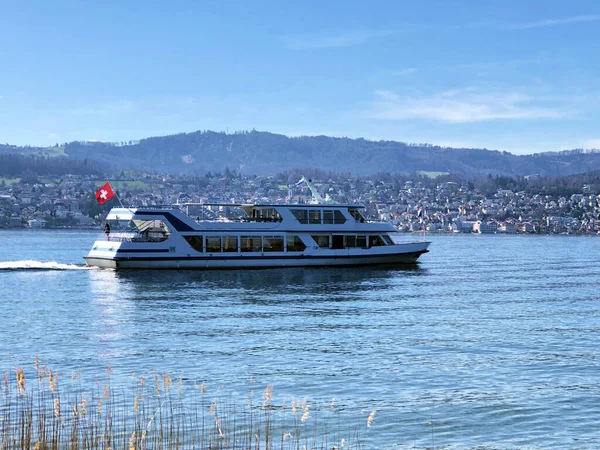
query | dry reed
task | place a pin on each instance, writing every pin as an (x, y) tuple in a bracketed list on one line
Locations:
[(134, 416)]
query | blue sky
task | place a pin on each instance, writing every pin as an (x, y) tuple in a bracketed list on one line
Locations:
[(519, 76)]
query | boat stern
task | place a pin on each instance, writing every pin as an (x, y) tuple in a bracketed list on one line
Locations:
[(103, 254)]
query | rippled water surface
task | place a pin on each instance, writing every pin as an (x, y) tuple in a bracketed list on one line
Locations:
[(489, 342)]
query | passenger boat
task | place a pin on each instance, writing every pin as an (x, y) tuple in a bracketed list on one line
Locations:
[(252, 236)]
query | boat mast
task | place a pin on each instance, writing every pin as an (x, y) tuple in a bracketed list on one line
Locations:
[(317, 199)]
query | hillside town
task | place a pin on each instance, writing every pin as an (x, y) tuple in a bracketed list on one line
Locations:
[(412, 206)]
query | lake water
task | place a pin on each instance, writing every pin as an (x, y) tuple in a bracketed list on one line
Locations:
[(490, 342)]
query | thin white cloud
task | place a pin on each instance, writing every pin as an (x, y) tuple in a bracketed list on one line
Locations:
[(592, 144), (552, 22), (406, 71), (488, 65), (334, 40), (459, 106)]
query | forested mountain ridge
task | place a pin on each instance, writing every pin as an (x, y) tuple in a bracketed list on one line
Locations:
[(265, 153)]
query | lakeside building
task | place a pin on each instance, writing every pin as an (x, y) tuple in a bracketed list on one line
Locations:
[(412, 206)]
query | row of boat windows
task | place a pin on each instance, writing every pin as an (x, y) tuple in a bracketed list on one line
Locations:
[(317, 216), (218, 244), (359, 241)]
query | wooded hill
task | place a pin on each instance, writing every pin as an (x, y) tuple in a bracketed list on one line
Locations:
[(264, 153)]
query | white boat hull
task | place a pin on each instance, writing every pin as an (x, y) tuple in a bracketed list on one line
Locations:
[(238, 261)]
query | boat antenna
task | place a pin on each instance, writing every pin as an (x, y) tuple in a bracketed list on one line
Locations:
[(317, 199)]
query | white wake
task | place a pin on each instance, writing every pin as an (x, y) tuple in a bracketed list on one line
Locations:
[(39, 265)]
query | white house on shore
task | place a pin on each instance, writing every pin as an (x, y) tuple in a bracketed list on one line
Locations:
[(36, 223)]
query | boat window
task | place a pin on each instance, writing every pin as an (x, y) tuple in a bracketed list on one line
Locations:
[(250, 243), (295, 244), (375, 241), (354, 212), (322, 240), (146, 230), (272, 243), (349, 241), (388, 240), (195, 242), (334, 216), (337, 241), (338, 217), (230, 244), (126, 225), (300, 214), (213, 244), (314, 216), (361, 241), (266, 215)]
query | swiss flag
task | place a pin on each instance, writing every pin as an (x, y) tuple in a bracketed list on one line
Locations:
[(104, 194)]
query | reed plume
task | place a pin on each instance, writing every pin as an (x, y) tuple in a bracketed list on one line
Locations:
[(48, 418), (371, 418), (20, 380)]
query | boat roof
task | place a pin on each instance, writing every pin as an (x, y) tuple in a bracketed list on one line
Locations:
[(124, 213)]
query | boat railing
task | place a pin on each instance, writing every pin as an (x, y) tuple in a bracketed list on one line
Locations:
[(308, 222), (237, 219), (117, 236), (133, 237), (375, 221)]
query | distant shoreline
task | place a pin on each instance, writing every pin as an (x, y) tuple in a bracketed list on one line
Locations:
[(403, 233)]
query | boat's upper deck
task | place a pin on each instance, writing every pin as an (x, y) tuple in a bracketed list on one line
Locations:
[(239, 217)]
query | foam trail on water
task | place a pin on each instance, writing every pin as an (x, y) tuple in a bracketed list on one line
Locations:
[(39, 265)]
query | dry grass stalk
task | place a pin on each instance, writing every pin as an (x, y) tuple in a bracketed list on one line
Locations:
[(168, 381), (56, 408), (20, 380), (53, 381), (132, 441), (267, 396), (371, 418), (39, 421), (268, 392), (304, 417)]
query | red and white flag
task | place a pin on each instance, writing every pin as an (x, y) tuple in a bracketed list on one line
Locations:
[(104, 194)]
